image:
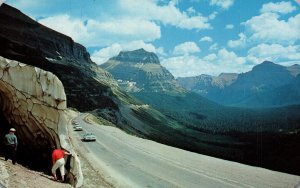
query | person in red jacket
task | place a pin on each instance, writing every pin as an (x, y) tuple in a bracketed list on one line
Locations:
[(58, 161)]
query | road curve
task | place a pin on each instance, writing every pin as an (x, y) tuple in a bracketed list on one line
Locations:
[(134, 162)]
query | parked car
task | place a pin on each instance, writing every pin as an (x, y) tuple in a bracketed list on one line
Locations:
[(75, 122), (77, 128), (89, 137)]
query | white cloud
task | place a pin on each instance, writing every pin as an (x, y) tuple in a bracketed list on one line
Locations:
[(213, 64), (102, 55), (166, 14), (274, 52), (191, 11), (186, 48), (227, 57), (213, 47), (213, 15), (206, 39), (128, 29), (184, 66), (224, 4), (94, 33), (1, 1), (210, 57), (282, 7), (268, 28), (74, 28), (229, 26), (238, 43)]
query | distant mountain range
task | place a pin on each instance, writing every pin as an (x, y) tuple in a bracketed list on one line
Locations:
[(156, 86), (266, 85)]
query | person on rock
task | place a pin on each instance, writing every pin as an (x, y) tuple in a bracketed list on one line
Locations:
[(58, 161), (11, 143)]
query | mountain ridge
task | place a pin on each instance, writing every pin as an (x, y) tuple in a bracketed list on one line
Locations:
[(131, 56), (258, 86)]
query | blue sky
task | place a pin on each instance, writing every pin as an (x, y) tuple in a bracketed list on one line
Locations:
[(191, 37)]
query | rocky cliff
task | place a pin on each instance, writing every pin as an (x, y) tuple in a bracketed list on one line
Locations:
[(34, 102), (26, 40), (140, 70)]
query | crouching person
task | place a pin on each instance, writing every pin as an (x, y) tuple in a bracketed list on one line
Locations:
[(58, 161)]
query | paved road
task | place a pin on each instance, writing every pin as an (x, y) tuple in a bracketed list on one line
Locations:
[(136, 162)]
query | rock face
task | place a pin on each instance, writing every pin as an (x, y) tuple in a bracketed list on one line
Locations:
[(38, 38), (34, 102), (140, 70), (27, 41)]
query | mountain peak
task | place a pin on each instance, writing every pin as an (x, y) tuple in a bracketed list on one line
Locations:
[(294, 69), (267, 62), (267, 66), (295, 65), (137, 56), (141, 50)]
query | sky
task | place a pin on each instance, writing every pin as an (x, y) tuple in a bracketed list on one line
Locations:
[(190, 37)]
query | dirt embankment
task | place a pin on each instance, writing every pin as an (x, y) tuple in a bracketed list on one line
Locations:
[(18, 176)]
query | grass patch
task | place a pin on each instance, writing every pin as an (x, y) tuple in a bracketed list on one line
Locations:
[(91, 119)]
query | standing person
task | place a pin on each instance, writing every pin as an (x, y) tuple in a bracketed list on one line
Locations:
[(58, 161), (11, 143)]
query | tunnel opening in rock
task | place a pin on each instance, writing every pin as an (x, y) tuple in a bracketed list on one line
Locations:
[(34, 146)]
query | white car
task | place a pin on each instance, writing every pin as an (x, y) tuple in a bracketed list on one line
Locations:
[(75, 123), (89, 137), (77, 128)]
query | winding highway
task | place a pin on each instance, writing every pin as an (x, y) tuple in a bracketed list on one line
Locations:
[(134, 162)]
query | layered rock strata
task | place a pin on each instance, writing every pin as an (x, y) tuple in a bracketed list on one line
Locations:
[(34, 102)]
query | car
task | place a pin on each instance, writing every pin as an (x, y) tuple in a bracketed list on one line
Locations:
[(75, 123), (77, 128), (89, 137)]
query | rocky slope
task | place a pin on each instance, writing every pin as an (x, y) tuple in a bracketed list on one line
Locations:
[(17, 176), (140, 70)]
